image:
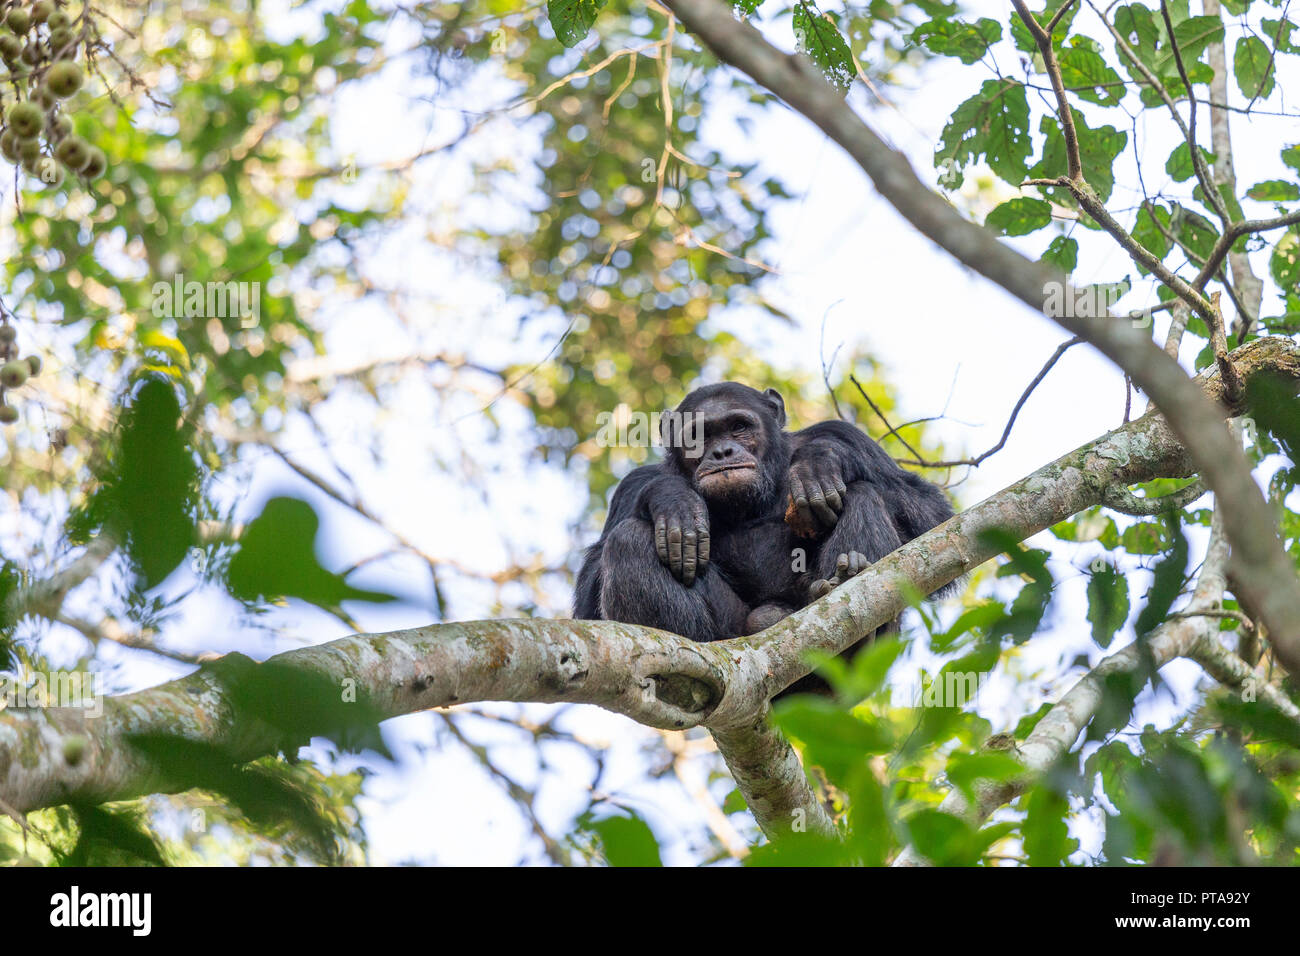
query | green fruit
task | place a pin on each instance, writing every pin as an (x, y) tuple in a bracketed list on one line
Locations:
[(7, 334), (11, 48), (34, 365), (41, 10), (73, 152), (64, 79), (25, 119), (13, 374), (32, 53), (61, 40), (19, 20), (58, 20), (9, 146), (59, 126), (45, 98), (8, 414), (97, 165)]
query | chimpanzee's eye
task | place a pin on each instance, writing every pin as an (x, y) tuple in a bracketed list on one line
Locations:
[(739, 427)]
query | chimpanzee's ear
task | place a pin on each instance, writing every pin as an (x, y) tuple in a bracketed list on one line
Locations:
[(778, 405)]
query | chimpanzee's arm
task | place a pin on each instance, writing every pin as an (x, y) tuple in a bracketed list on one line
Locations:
[(680, 520), (829, 456)]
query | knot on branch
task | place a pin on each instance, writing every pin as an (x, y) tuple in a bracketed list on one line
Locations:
[(686, 693)]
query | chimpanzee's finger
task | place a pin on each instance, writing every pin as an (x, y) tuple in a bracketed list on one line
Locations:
[(800, 496), (842, 566), (702, 527), (817, 499), (833, 488), (820, 588), (857, 563), (690, 544), (675, 549), (661, 539)]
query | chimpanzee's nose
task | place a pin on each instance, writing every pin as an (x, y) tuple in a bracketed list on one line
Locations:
[(723, 451)]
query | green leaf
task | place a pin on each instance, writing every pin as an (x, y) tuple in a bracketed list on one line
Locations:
[(1280, 31), (1148, 232), (1063, 252), (1108, 604), (1020, 33), (836, 740), (968, 42), (1167, 580), (626, 841), (1179, 164), (149, 491), (1098, 149), (820, 40), (1284, 265), (1252, 65), (992, 124), (1019, 217), (965, 769), (1274, 190), (1087, 76), (942, 838), (1046, 833), (572, 19), (277, 559)]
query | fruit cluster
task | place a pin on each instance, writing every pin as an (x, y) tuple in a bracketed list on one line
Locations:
[(15, 370), (39, 43)]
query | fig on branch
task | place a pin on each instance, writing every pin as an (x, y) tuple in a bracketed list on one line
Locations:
[(9, 146), (73, 152), (64, 79), (13, 374), (97, 164), (63, 43), (25, 119), (19, 20), (34, 365), (42, 9), (8, 414), (7, 334), (58, 20), (59, 126)]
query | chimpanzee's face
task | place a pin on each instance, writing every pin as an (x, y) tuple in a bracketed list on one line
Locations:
[(728, 460), (727, 434)]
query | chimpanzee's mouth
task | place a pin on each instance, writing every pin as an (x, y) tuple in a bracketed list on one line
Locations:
[(719, 469)]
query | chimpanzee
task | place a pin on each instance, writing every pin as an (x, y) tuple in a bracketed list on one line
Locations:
[(705, 543)]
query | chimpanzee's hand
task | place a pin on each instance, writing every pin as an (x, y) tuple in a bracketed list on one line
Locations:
[(846, 566), (681, 523), (816, 495)]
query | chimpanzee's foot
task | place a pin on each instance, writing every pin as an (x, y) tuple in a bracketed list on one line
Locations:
[(846, 566), (764, 616)]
